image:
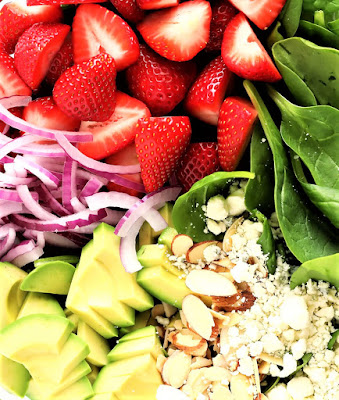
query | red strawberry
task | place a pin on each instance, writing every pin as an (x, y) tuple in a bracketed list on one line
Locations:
[(16, 17), (62, 60), (200, 160), (156, 4), (207, 93), (118, 131), (17, 111), (129, 10), (178, 33), (61, 2), (222, 13), (160, 143), (235, 125), (96, 29), (161, 84), (126, 156), (87, 91), (10, 82), (261, 12), (44, 113), (35, 50), (244, 54)]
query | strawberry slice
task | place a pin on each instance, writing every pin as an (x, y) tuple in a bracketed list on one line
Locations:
[(96, 30), (118, 131), (17, 111), (129, 9), (61, 2), (243, 53), (62, 61), (35, 50), (235, 126), (126, 156), (160, 142), (222, 14), (200, 160), (156, 4), (207, 93), (261, 12), (10, 82), (161, 84), (178, 33), (87, 91), (16, 17)]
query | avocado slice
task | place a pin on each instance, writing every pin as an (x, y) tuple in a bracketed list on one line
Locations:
[(74, 318), (14, 377), (153, 255), (166, 237), (99, 347), (79, 390), (34, 335), (92, 376), (52, 277), (40, 303), (71, 259), (141, 320), (104, 396), (147, 331)]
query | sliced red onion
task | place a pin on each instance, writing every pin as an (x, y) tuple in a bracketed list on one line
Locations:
[(113, 216), (7, 243), (47, 198), (14, 144), (9, 208), (8, 118), (28, 257), (142, 206), (69, 189), (110, 199), (127, 249), (76, 205), (6, 160), (12, 195), (18, 250), (61, 240), (33, 206), (92, 187), (14, 181)]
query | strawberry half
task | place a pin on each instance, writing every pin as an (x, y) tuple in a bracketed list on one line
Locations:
[(261, 12), (222, 14), (129, 9), (200, 160), (243, 53), (87, 91), (235, 126), (35, 50), (161, 84), (16, 17), (156, 4), (10, 82), (61, 2), (62, 61), (160, 143), (118, 131), (207, 93), (178, 33), (96, 30)]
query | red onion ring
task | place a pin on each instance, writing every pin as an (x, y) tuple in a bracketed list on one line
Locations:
[(127, 249), (7, 243)]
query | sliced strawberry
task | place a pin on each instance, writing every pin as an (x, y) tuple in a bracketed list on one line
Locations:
[(10, 82), (62, 60), (207, 93), (118, 131), (244, 54), (61, 2), (36, 49), (87, 91), (160, 142), (161, 84), (200, 160), (178, 33), (16, 17), (17, 111), (222, 13), (156, 4), (129, 10), (126, 156), (261, 12), (96, 30), (235, 126)]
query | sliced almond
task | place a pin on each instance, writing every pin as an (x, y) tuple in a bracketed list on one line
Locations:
[(256, 375), (232, 230), (225, 263), (196, 252), (198, 316), (222, 317), (161, 359), (157, 311), (176, 369), (271, 359), (215, 374), (169, 310), (234, 317), (221, 392), (200, 362), (209, 283), (187, 341), (264, 368), (181, 244), (196, 383), (241, 301), (166, 392), (239, 387)]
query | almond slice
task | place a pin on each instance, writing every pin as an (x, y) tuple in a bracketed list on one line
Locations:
[(209, 283), (176, 369), (256, 375), (181, 244), (166, 392), (225, 263), (196, 252), (240, 301), (271, 359), (198, 316), (227, 242), (190, 343), (240, 385)]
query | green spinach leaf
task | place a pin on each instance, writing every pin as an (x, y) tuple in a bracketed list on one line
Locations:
[(320, 269), (290, 16), (307, 235), (332, 342), (312, 133), (318, 34), (333, 26), (329, 7), (305, 360), (188, 216)]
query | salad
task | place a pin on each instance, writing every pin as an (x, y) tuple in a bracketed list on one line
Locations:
[(169, 199)]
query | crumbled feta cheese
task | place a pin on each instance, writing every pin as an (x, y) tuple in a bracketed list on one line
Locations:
[(216, 208), (215, 227), (279, 393), (212, 253), (294, 312), (272, 344), (289, 366), (235, 203), (246, 366), (298, 349), (300, 388)]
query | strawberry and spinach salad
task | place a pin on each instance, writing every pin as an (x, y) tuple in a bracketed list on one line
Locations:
[(184, 156)]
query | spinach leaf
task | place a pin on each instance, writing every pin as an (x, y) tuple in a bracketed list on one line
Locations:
[(318, 34), (307, 235), (320, 269), (188, 216), (290, 16), (271, 385), (275, 35), (332, 342), (329, 7), (333, 26), (324, 198), (312, 133), (259, 193), (305, 360), (303, 58)]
